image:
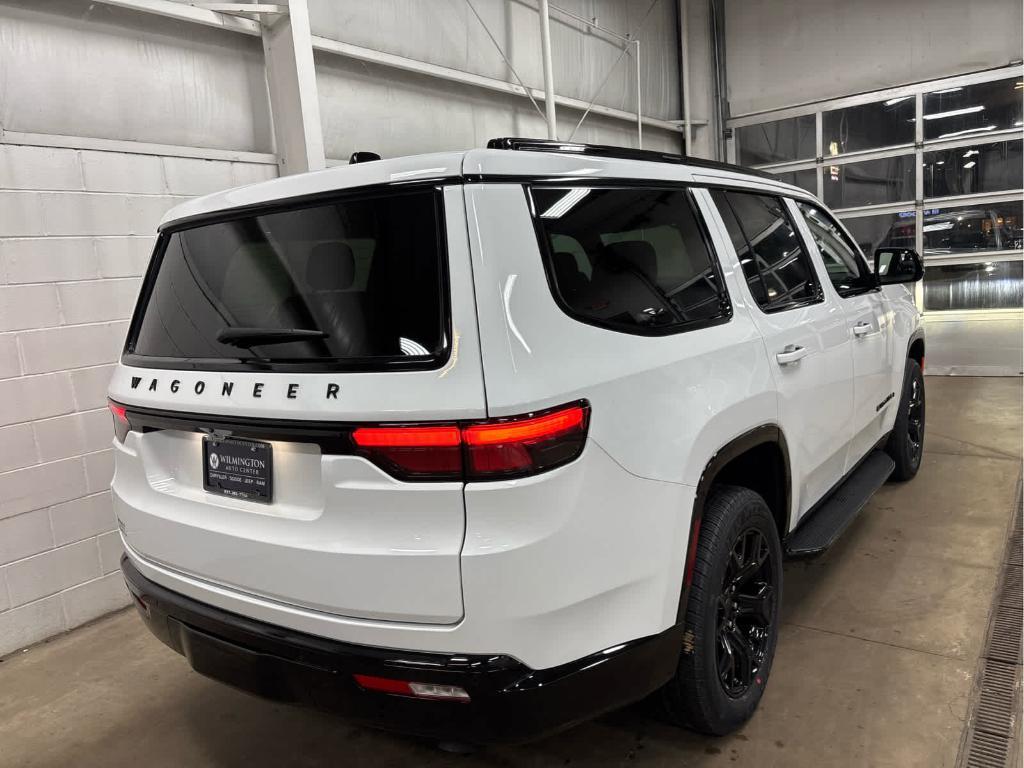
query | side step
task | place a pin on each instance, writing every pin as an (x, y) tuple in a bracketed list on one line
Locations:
[(822, 527)]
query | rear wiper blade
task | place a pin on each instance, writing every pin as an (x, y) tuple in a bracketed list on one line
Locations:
[(251, 337)]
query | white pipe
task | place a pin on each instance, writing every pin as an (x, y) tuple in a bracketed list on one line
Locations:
[(589, 23), (639, 111), (685, 60), (549, 77)]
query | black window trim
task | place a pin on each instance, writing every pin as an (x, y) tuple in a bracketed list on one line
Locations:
[(848, 293), (375, 364), (547, 255), (818, 296)]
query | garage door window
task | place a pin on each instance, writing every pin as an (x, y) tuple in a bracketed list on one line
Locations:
[(980, 285)]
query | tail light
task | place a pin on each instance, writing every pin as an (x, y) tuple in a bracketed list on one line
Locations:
[(121, 425), (413, 451), (486, 450), (527, 445)]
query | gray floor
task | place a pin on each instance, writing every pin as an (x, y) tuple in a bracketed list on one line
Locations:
[(875, 662)]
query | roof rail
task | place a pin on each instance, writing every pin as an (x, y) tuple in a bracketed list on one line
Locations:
[(620, 153)]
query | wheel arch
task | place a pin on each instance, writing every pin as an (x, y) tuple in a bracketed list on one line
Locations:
[(915, 347), (727, 464)]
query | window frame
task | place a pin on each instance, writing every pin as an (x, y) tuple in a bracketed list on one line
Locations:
[(809, 240), (819, 294), (547, 255), (371, 365)]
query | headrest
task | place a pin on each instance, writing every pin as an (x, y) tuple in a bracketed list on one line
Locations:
[(637, 253), (565, 266), (331, 266)]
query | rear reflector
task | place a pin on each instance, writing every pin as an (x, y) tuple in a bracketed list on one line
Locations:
[(493, 449), (691, 552), (417, 690)]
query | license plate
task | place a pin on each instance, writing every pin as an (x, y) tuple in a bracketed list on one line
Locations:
[(242, 469)]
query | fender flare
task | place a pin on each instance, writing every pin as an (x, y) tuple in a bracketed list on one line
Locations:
[(917, 335), (766, 433)]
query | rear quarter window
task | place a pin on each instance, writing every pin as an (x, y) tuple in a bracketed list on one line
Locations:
[(635, 260)]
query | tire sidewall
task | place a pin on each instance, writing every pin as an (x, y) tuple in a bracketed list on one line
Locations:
[(733, 712), (907, 460)]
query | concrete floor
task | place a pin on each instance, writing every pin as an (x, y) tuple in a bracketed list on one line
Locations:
[(875, 662)]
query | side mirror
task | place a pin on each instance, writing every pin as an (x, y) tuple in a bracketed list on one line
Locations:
[(898, 265)]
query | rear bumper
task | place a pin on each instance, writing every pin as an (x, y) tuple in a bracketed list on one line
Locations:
[(509, 702)]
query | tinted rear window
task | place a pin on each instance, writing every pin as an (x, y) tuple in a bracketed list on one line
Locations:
[(633, 260), (357, 282)]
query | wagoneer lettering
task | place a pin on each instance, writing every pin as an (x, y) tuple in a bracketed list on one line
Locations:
[(291, 391)]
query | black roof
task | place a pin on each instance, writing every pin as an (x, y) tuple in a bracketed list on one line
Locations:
[(620, 153)]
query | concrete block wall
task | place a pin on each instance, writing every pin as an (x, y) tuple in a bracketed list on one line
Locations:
[(76, 231)]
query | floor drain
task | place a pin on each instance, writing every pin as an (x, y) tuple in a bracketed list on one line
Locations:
[(991, 739)]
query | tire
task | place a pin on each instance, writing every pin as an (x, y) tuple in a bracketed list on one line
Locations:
[(703, 694), (906, 442)]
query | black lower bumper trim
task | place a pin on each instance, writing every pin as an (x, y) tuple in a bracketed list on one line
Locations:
[(509, 702)]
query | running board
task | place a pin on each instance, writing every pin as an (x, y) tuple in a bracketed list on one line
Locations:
[(823, 526)]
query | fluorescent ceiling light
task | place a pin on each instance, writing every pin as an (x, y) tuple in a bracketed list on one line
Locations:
[(954, 112), (565, 203), (970, 164), (969, 130), (970, 152), (941, 226), (940, 162), (949, 90), (897, 100)]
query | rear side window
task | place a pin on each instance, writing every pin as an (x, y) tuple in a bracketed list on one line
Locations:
[(359, 282), (633, 260), (774, 260)]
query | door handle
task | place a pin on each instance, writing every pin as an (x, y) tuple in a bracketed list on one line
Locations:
[(791, 354), (861, 329)]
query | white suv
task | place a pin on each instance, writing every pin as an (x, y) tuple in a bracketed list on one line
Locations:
[(478, 445)]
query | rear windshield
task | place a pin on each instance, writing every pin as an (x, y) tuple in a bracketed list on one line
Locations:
[(359, 282)]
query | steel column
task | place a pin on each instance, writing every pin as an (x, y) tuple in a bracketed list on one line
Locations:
[(294, 103)]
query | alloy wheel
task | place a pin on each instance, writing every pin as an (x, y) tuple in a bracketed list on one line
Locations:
[(746, 610)]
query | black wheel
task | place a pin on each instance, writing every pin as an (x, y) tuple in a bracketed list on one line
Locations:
[(906, 443), (731, 615)]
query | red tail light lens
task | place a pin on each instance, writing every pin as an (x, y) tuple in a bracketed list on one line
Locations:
[(121, 424), (413, 451), (525, 445), (494, 449)]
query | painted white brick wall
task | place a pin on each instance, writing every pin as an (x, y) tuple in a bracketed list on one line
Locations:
[(76, 231)]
